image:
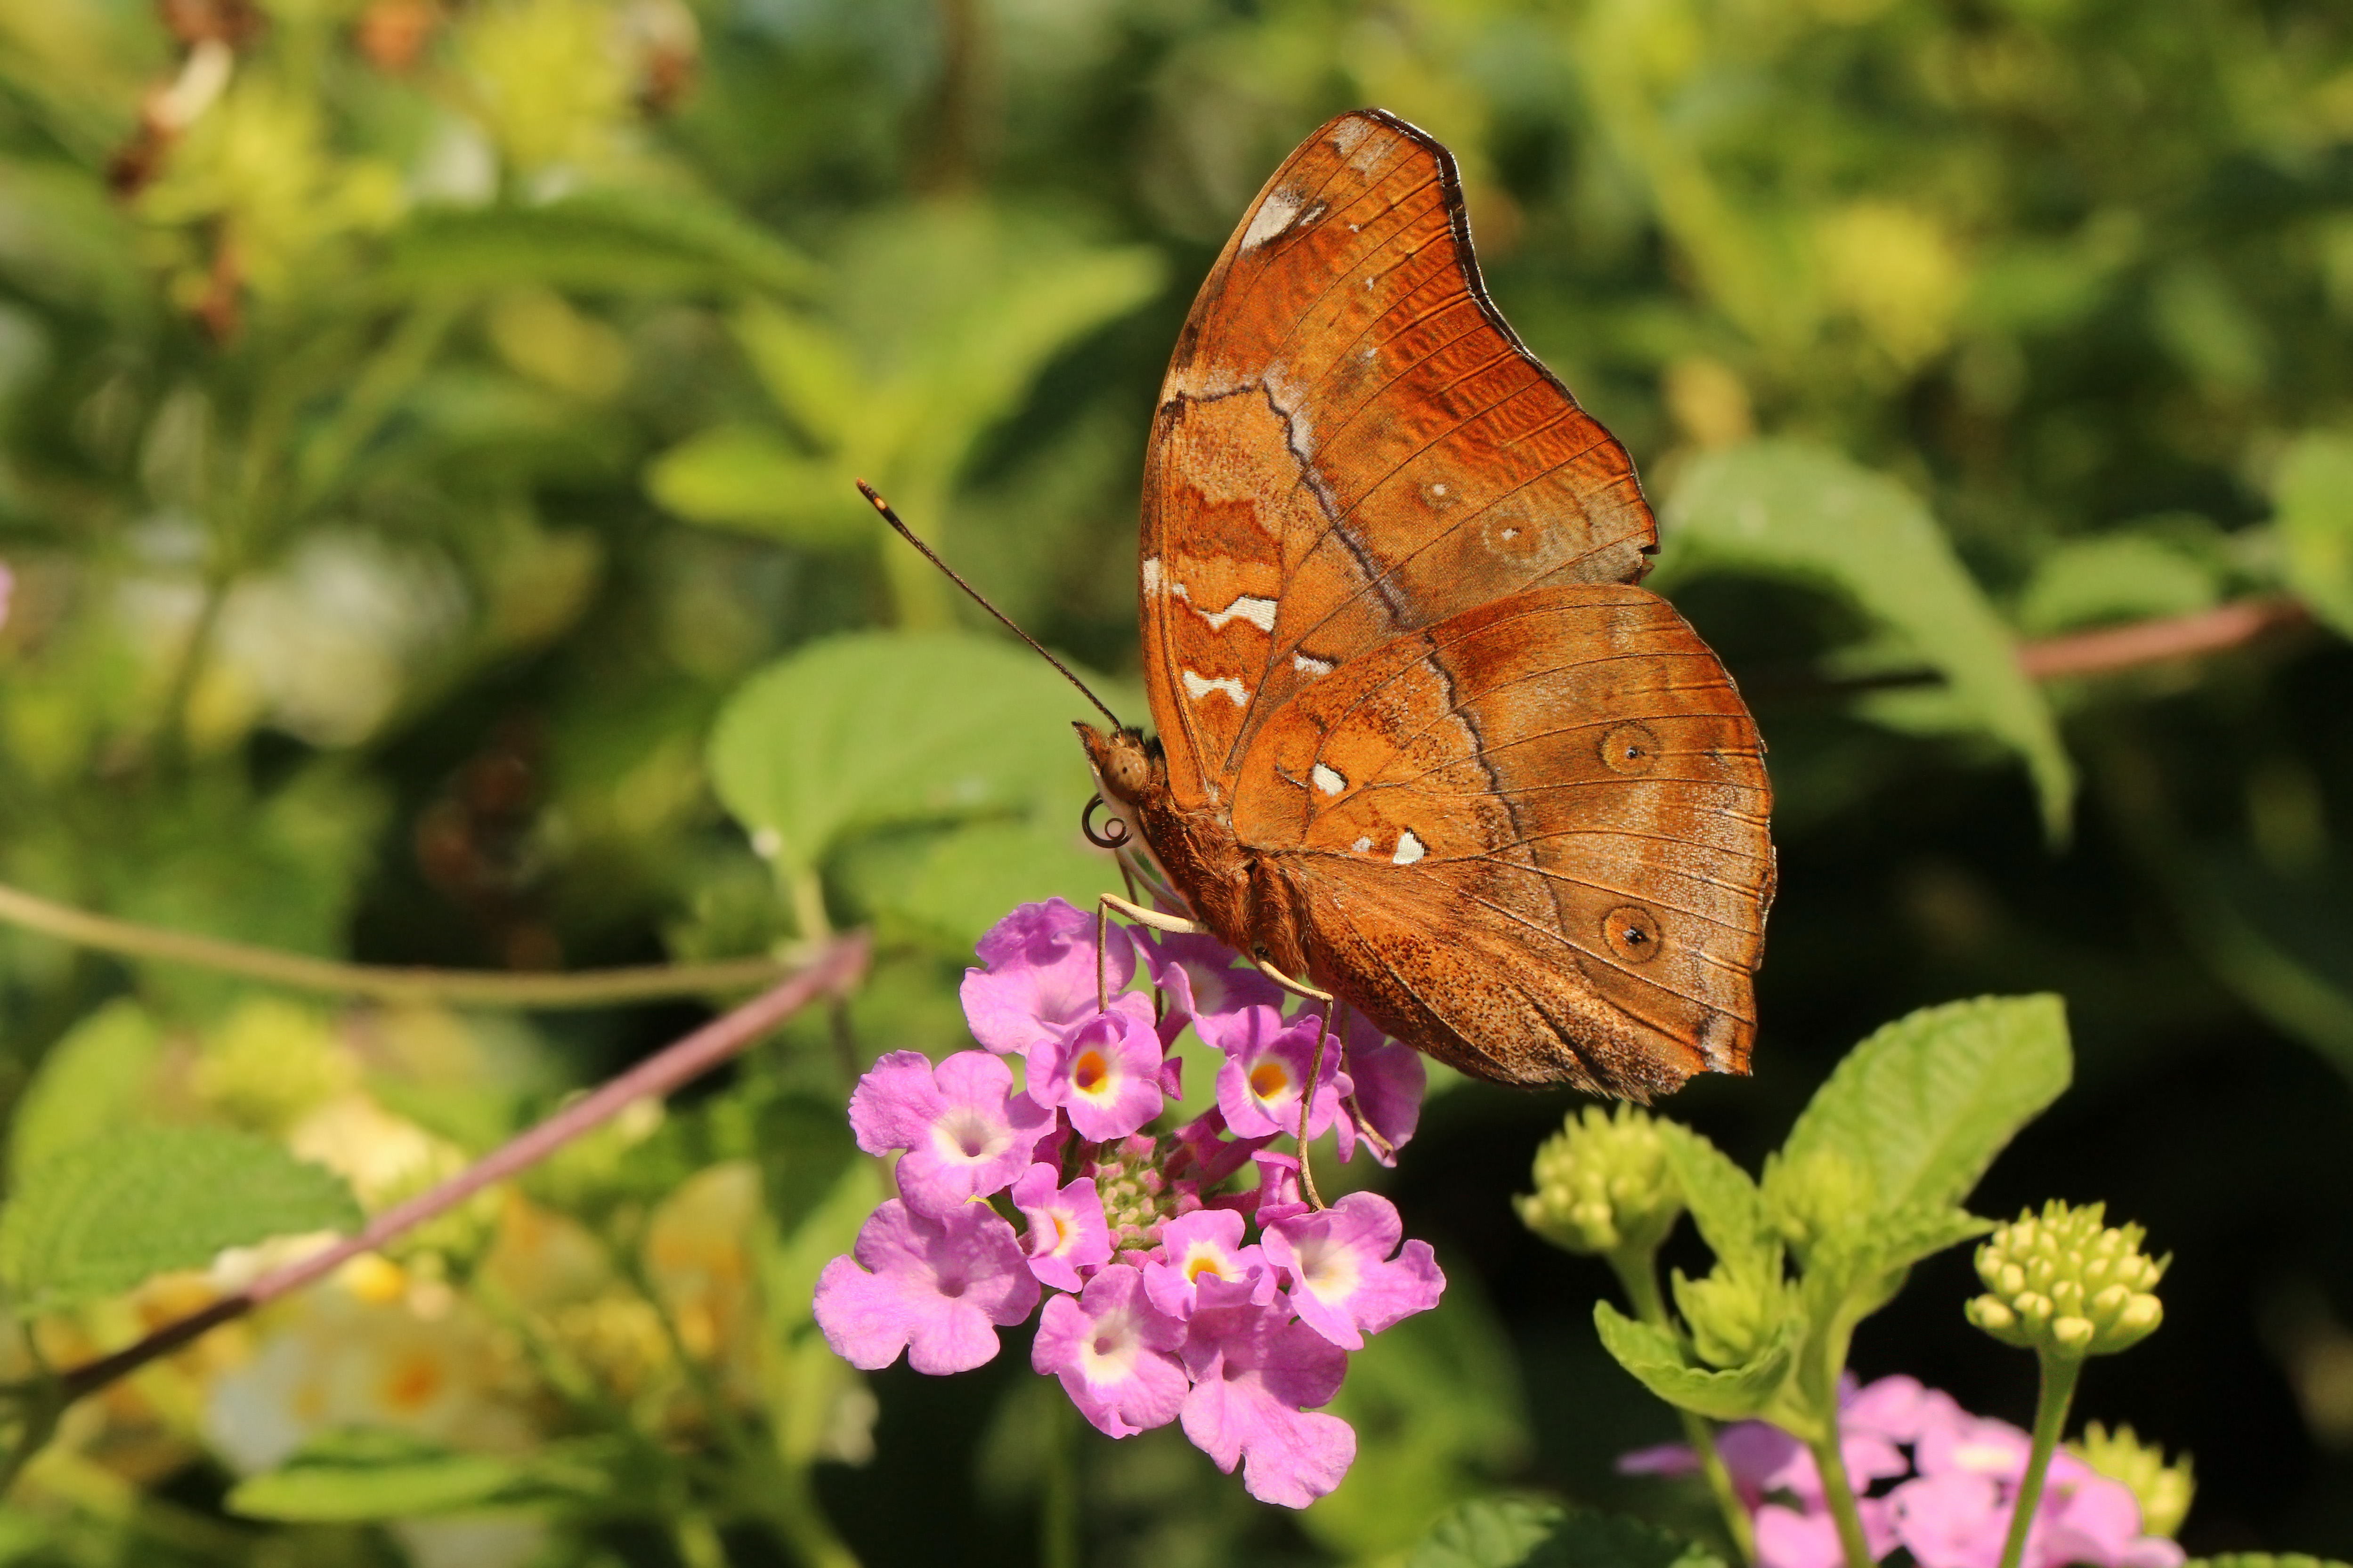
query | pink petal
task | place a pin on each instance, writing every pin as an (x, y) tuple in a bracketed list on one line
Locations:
[(1113, 1353), (938, 1287), (1345, 1284), (1067, 1228), (1040, 975)]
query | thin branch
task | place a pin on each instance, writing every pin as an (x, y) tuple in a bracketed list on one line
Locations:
[(2153, 642), (384, 982), (834, 971), (2102, 652)]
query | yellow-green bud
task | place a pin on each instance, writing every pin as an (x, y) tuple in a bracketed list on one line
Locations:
[(1603, 1185), (2164, 1489), (2063, 1283)]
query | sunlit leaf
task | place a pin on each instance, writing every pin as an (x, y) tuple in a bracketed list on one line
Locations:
[(94, 1081), (2314, 491), (609, 240), (102, 1218), (746, 478), (1783, 509), (863, 731), (1924, 1105), (1658, 1363)]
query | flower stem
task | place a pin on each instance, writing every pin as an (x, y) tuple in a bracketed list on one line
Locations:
[(2059, 1375), (382, 983), (1839, 1492), (1057, 1506), (1637, 1271)]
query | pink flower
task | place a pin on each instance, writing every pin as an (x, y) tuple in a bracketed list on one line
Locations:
[(966, 1132), (1345, 1282), (1040, 979), (1208, 984), (8, 589), (1115, 1353), (1956, 1490), (1265, 1072), (1384, 1105), (1256, 1378), (1067, 1229), (1204, 1265), (935, 1288), (1107, 1074)]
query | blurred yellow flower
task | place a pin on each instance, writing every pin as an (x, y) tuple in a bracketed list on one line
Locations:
[(1897, 272), (698, 1254), (269, 1062), (549, 79)]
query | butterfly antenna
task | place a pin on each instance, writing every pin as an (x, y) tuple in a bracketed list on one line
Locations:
[(891, 517)]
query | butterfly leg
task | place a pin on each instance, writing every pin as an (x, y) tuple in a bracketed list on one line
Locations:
[(1315, 1067), (1141, 916)]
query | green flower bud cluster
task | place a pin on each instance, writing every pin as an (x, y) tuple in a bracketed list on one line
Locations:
[(1603, 1185), (2164, 1489), (2064, 1284)]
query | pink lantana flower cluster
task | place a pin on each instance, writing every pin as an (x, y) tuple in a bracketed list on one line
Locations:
[(1937, 1480), (1173, 1288)]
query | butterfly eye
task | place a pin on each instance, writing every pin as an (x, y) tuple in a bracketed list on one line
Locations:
[(1632, 933), (1629, 749)]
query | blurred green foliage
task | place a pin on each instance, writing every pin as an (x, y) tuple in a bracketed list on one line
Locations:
[(426, 432)]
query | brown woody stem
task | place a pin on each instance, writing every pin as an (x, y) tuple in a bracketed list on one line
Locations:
[(835, 969)]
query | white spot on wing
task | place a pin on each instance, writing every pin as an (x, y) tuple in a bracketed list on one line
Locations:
[(1350, 132), (1327, 779), (1273, 216), (1196, 688), (1152, 578), (1309, 666), (1409, 849), (1258, 613), (1361, 845)]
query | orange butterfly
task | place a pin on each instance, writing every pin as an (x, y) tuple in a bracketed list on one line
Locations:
[(1422, 744)]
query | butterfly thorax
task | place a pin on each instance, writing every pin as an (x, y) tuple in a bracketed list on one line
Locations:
[(1242, 898)]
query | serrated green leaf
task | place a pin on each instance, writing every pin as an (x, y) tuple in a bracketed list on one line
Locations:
[(1723, 1198), (372, 1474), (2314, 493), (1787, 510), (1489, 1533), (747, 479), (1655, 1361), (965, 880), (1862, 1259), (99, 1218), (1925, 1103), (92, 1082), (870, 730)]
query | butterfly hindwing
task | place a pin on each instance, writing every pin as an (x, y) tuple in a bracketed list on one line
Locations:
[(1351, 443), (1566, 780)]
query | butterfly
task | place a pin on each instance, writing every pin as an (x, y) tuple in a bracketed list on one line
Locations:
[(1422, 742)]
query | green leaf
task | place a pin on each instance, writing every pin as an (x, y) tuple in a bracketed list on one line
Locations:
[(2313, 494), (1529, 1533), (372, 1474), (1723, 1198), (93, 1082), (1925, 1104), (2115, 577), (612, 240), (961, 882), (1783, 509), (1490, 1532), (1657, 1362), (804, 1144), (99, 1218), (739, 477), (870, 729)]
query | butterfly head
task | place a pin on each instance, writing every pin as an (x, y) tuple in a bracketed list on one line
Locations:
[(1128, 766)]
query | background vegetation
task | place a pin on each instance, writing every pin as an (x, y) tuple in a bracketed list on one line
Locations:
[(425, 441)]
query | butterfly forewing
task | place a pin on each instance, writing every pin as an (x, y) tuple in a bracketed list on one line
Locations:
[(1350, 444)]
